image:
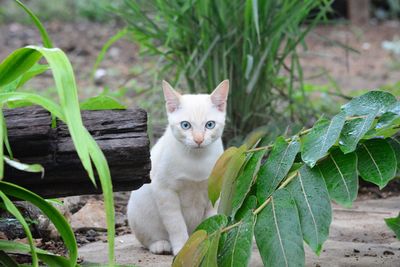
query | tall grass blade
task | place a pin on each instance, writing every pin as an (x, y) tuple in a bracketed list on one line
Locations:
[(11, 208), (43, 33)]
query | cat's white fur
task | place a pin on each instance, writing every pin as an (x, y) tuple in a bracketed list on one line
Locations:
[(162, 214)]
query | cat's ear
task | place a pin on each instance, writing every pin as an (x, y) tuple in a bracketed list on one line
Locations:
[(220, 95), (171, 97)]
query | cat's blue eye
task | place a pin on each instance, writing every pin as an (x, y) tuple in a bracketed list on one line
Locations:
[(185, 125), (210, 124)]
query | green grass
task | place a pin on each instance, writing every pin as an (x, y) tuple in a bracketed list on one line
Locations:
[(252, 43)]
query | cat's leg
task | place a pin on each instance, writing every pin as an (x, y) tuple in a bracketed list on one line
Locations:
[(160, 247), (145, 222), (211, 211), (170, 211)]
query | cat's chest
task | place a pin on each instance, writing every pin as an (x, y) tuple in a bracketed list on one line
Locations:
[(194, 168)]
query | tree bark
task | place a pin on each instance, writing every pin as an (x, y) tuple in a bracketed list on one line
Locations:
[(121, 134)]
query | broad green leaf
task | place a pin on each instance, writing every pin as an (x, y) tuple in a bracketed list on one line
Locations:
[(376, 162), (236, 250), (43, 33), (56, 218), (395, 144), (100, 162), (46, 103), (11, 208), (193, 251), (367, 106), (387, 125), (211, 257), (26, 76), (376, 102), (276, 167), (17, 63), (311, 196), (322, 137), (278, 232), (229, 180), (255, 136), (5, 135), (68, 94), (6, 260), (353, 131), (32, 72), (394, 224), (45, 256), (340, 173), (213, 223), (246, 179), (24, 167), (101, 102), (215, 180), (250, 203)]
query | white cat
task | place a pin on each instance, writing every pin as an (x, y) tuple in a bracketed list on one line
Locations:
[(165, 212)]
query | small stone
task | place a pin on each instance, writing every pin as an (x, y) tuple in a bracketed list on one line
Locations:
[(388, 252), (92, 215)]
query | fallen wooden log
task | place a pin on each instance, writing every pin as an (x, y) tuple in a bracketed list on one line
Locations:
[(121, 134)]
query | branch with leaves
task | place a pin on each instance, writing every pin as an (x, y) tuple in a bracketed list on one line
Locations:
[(281, 193)]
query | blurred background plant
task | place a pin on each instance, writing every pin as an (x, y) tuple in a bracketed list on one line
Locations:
[(252, 43), (72, 10)]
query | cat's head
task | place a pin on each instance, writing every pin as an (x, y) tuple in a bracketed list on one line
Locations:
[(196, 120)]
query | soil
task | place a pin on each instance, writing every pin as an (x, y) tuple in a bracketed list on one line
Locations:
[(349, 72)]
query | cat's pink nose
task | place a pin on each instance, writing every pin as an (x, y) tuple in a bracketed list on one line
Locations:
[(198, 138), (199, 141)]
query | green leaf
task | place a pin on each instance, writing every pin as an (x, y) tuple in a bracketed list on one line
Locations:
[(56, 218), (340, 173), (43, 33), (276, 167), (376, 102), (250, 203), (101, 102), (246, 179), (17, 63), (36, 69), (6, 260), (376, 162), (24, 167), (368, 106), (45, 256), (255, 136), (394, 224), (213, 223), (211, 257), (237, 246), (3, 137), (11, 208), (193, 251), (387, 125), (229, 180), (395, 144), (353, 131), (311, 196), (322, 137), (216, 177), (278, 232)]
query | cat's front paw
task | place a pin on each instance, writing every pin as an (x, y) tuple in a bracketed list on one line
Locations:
[(160, 247), (177, 248)]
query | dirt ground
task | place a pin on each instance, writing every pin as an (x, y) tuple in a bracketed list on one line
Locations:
[(358, 236)]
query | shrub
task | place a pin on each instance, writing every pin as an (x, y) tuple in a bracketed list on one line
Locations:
[(252, 43)]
